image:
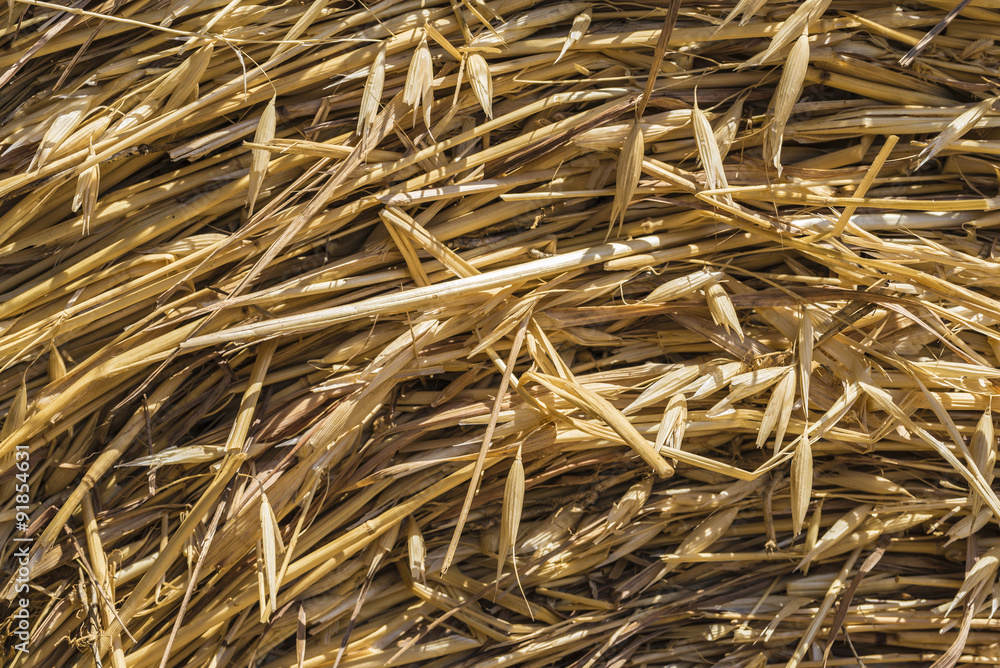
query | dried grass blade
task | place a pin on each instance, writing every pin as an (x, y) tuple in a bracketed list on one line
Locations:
[(579, 28), (16, 413), (260, 158), (668, 385), (419, 80), (722, 309), (955, 130), (684, 285), (794, 26), (303, 23), (802, 484), (416, 551), (673, 424), (629, 505), (919, 47), (56, 365), (510, 517), (629, 170), (372, 93), (865, 482), (236, 441), (968, 525), (809, 636), (744, 385), (269, 540), (526, 24), (843, 526), (442, 41), (805, 349), (60, 128), (701, 538), (838, 618), (789, 91), (669, 21), (188, 75), (379, 550), (749, 8), (261, 584), (406, 249), (481, 81), (975, 479), (984, 454), (708, 151), (88, 186), (983, 572), (727, 127)]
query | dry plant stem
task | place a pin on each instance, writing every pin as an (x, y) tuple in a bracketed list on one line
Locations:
[(421, 297), (862, 190)]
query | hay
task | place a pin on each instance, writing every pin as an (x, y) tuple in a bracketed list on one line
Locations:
[(498, 333)]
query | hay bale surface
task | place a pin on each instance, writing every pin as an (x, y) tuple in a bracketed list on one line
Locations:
[(499, 333)]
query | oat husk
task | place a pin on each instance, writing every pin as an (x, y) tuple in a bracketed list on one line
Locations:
[(477, 333)]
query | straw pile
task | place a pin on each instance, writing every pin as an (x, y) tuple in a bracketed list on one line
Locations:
[(466, 333)]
